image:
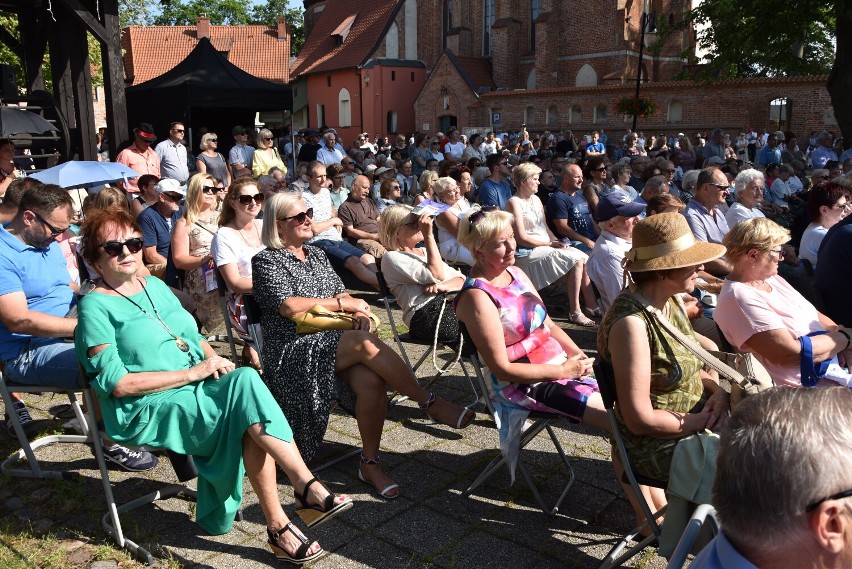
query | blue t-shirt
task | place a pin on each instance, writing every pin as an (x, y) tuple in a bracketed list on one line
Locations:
[(155, 229), (575, 209), (597, 147), (41, 274), (768, 155), (491, 193)]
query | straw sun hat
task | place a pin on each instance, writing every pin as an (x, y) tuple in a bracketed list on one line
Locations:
[(664, 241)]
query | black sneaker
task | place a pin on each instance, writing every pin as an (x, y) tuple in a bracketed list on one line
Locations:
[(27, 422), (130, 460)]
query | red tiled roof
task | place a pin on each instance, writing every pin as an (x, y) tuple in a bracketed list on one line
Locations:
[(321, 52), (478, 71), (150, 51)]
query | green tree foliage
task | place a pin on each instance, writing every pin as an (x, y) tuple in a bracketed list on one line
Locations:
[(766, 37)]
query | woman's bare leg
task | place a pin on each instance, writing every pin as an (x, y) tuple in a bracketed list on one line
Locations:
[(260, 468), (371, 406), (358, 347), (573, 282), (654, 497)]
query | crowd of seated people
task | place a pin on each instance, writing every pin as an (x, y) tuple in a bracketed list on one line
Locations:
[(695, 231)]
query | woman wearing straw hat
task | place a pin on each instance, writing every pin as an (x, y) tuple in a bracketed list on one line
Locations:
[(663, 392)]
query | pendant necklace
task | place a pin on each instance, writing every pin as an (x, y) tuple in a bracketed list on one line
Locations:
[(180, 342)]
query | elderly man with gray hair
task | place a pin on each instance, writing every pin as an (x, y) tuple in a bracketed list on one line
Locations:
[(782, 483)]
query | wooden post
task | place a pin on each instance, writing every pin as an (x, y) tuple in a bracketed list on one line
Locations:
[(34, 43), (113, 69), (81, 79)]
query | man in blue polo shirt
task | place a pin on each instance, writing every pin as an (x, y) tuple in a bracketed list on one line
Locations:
[(35, 296), (495, 190), (157, 223)]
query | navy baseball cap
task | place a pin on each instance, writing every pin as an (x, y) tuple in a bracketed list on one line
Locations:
[(617, 203)]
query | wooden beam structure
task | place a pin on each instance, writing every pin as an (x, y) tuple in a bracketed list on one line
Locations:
[(60, 27)]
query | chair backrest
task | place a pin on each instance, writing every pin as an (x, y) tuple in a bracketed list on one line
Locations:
[(252, 309), (703, 518), (606, 382)]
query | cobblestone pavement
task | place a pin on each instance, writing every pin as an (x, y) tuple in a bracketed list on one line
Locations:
[(430, 525)]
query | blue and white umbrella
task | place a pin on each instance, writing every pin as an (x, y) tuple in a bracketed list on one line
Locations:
[(86, 174)]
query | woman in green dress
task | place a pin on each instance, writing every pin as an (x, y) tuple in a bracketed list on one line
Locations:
[(160, 383), (663, 392)]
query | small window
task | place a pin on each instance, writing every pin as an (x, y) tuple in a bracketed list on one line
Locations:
[(320, 115), (778, 112), (575, 114), (586, 76), (487, 22), (391, 126), (552, 116), (412, 76), (600, 114), (393, 75), (328, 80), (529, 115), (675, 111), (344, 108)]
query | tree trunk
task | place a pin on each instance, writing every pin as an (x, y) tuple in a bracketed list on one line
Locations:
[(840, 80)]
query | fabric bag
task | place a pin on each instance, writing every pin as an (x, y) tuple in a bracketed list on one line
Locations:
[(740, 375), (320, 319), (830, 369)]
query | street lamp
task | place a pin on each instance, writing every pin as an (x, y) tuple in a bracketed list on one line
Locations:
[(648, 32)]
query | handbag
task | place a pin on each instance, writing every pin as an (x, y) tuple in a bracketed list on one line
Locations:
[(743, 374), (319, 319)]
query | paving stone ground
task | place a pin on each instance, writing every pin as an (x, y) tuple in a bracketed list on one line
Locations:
[(430, 525)]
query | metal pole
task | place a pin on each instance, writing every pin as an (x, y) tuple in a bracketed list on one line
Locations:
[(639, 68)]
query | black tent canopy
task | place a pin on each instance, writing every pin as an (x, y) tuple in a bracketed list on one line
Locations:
[(205, 89)]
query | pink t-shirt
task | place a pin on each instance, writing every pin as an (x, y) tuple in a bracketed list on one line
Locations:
[(743, 311)]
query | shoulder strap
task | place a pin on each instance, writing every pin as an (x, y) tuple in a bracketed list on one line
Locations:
[(702, 354)]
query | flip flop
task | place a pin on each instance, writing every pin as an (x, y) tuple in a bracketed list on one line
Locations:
[(316, 514)]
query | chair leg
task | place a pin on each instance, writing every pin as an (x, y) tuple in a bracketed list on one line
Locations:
[(28, 447)]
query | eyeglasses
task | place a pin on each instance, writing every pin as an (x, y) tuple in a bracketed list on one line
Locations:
[(720, 187), (177, 130), (116, 248), (175, 197), (54, 231), (209, 189), (212, 140), (776, 252), (840, 495), (478, 216), (300, 217), (267, 139), (843, 206), (601, 169), (246, 199), (395, 187)]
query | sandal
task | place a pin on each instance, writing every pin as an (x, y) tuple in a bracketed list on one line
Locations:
[(595, 312), (580, 319), (301, 557), (388, 493), (316, 514), (464, 419)]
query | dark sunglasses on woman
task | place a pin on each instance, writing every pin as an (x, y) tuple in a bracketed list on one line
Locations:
[(247, 199), (300, 217), (115, 248), (478, 216)]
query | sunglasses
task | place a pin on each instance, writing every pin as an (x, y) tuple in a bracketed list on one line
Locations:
[(839, 496), (177, 130), (478, 216), (721, 187), (300, 217), (116, 248), (54, 231), (602, 169), (246, 199), (267, 139), (212, 140), (177, 198), (209, 189)]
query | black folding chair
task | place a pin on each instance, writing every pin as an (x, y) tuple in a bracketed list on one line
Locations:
[(615, 557), (222, 293), (431, 346), (536, 423)]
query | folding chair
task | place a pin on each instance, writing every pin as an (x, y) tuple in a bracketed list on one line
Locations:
[(536, 423), (615, 557), (703, 517), (28, 447), (252, 309), (222, 293), (406, 338), (111, 522)]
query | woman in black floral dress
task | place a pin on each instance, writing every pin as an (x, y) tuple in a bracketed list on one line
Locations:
[(306, 372)]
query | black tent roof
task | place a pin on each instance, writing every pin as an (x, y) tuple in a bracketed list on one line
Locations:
[(206, 79)]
